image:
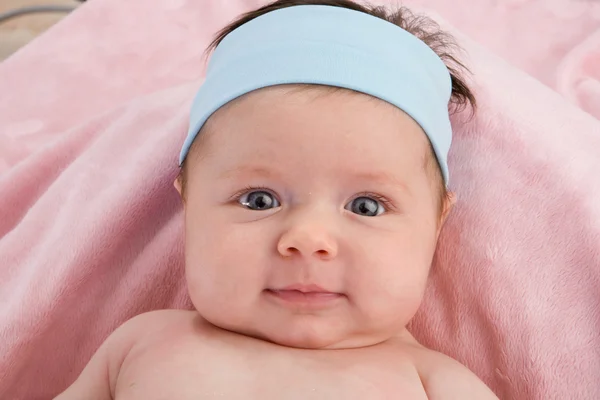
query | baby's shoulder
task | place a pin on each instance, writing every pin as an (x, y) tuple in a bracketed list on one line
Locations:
[(147, 327), (159, 320), (445, 378)]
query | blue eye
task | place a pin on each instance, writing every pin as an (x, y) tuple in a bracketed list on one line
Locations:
[(258, 200), (366, 207)]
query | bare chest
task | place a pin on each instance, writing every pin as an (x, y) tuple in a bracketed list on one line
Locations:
[(217, 369)]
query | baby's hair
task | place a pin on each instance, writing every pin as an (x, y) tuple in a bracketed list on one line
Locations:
[(422, 27)]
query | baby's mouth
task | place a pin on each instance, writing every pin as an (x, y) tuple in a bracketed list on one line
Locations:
[(311, 296)]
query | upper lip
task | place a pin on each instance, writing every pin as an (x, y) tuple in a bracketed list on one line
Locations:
[(305, 288)]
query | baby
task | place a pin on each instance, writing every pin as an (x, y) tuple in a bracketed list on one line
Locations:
[(314, 180)]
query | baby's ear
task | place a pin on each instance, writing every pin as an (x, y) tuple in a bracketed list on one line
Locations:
[(449, 202), (177, 184)]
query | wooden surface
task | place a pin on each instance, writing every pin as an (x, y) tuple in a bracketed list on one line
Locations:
[(17, 32)]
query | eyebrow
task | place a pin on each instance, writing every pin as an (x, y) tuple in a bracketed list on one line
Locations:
[(248, 170), (382, 178), (378, 177)]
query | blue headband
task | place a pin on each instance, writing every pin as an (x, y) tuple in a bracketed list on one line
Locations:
[(330, 46)]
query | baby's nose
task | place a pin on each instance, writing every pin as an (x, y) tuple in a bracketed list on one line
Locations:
[(308, 240)]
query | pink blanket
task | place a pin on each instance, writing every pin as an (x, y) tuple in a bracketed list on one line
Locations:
[(92, 115)]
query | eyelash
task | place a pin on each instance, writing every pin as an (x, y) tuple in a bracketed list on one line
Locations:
[(249, 189), (389, 205)]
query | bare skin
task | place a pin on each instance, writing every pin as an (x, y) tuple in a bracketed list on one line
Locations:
[(311, 224), (177, 355)]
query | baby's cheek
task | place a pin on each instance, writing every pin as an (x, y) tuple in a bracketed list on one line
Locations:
[(392, 289), (223, 258), (399, 294), (204, 278)]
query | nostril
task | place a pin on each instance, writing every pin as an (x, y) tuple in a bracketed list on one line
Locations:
[(292, 250)]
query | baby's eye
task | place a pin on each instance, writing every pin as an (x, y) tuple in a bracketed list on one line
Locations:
[(366, 207), (258, 200)]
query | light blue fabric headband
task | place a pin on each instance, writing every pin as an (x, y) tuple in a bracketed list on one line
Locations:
[(331, 46)]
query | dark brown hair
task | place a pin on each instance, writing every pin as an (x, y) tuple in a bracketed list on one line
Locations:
[(424, 28)]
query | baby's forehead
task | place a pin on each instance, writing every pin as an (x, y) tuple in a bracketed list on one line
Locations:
[(309, 124), (303, 96), (285, 111)]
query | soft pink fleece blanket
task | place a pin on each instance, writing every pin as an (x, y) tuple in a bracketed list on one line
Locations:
[(93, 113)]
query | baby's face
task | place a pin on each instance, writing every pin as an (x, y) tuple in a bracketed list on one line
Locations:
[(310, 219)]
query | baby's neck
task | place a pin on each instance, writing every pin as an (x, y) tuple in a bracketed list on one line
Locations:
[(403, 337)]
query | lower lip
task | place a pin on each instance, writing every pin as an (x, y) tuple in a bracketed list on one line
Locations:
[(310, 299)]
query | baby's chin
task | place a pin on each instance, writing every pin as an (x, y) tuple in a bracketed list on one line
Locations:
[(324, 342), (315, 336)]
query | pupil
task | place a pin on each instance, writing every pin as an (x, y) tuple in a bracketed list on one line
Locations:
[(260, 200), (365, 206)]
